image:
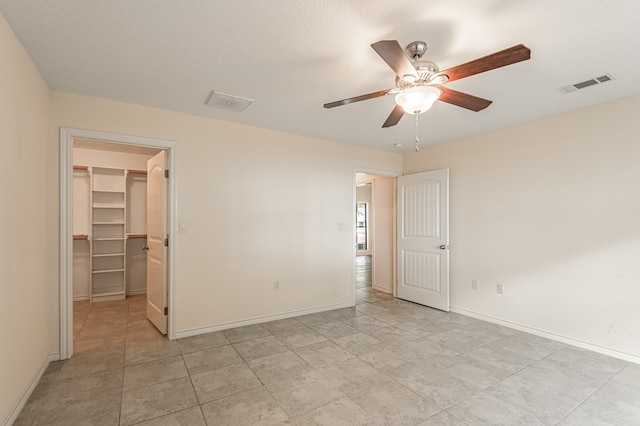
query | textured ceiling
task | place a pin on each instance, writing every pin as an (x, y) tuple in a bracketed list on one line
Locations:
[(292, 56)]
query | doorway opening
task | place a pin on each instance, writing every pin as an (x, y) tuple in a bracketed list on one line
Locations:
[(374, 236), (102, 237)]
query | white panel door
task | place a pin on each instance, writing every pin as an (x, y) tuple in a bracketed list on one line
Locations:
[(423, 238), (156, 234)]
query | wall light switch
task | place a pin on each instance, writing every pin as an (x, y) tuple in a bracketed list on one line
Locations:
[(182, 226), (340, 226)]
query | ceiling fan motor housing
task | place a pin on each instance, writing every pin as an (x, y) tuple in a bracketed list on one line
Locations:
[(425, 70)]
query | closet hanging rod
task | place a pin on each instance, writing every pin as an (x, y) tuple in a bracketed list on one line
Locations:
[(136, 236), (137, 172), (80, 168)]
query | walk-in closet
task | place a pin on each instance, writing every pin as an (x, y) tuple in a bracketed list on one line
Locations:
[(109, 220)]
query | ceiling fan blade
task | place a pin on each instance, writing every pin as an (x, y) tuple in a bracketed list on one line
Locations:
[(391, 52), (505, 57), (394, 117), (356, 99), (463, 100)]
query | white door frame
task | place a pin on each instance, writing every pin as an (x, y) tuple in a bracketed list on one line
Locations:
[(375, 172), (67, 135)]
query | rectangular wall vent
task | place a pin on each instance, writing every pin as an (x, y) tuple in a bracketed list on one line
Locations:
[(226, 101), (583, 84)]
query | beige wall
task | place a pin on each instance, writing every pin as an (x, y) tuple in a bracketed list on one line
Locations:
[(551, 210), (384, 192), (24, 283), (98, 157), (260, 206)]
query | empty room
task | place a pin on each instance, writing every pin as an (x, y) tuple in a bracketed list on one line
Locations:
[(320, 212)]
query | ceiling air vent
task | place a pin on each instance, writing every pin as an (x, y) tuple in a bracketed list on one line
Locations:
[(587, 83), (226, 101)]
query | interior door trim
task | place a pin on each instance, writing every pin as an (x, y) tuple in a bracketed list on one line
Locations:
[(67, 135)]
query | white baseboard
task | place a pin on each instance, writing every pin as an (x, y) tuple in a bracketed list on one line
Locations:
[(258, 320), (129, 293), (26, 393), (383, 289), (548, 335)]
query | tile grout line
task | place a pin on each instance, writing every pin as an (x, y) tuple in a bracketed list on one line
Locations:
[(591, 394)]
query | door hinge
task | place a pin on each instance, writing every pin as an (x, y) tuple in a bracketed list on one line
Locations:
[(166, 173), (166, 310), (166, 242)]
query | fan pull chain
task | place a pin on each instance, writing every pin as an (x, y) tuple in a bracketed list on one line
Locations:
[(417, 135)]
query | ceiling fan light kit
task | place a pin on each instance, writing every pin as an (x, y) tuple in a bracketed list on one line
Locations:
[(418, 99)]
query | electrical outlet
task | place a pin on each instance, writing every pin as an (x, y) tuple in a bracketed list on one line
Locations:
[(499, 289), (474, 285), (276, 285)]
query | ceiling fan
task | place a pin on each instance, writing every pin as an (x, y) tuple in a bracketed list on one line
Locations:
[(419, 83)]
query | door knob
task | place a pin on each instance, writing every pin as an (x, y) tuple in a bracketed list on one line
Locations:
[(443, 247), (145, 247)]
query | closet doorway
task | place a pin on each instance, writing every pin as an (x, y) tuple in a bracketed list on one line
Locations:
[(109, 220), (104, 225)]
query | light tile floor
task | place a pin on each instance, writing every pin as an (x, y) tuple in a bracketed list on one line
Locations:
[(384, 362)]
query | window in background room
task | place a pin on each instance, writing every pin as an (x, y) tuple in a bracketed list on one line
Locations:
[(361, 226)]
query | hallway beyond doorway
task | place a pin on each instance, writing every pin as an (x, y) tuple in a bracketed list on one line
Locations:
[(363, 272)]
